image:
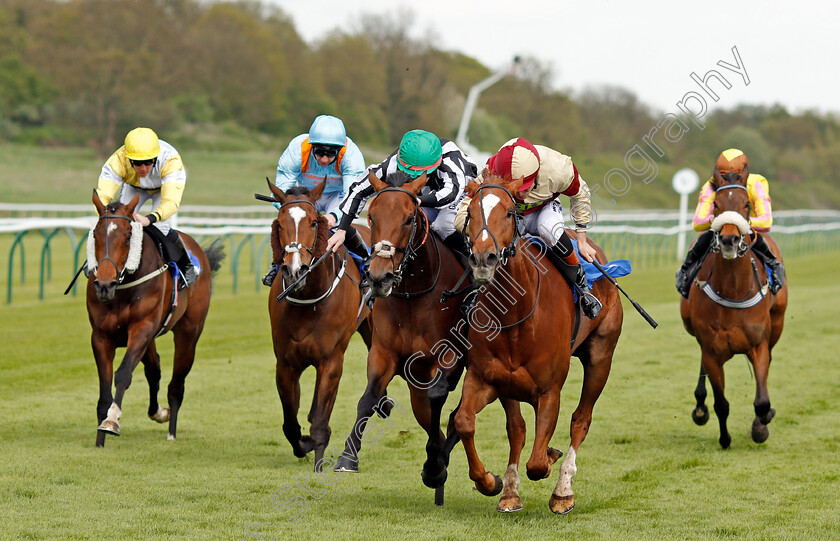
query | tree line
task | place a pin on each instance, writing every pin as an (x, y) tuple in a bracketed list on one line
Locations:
[(84, 72)]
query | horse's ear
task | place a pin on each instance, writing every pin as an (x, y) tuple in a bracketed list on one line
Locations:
[(100, 208), (315, 194), (745, 174), (717, 179), (278, 194), (472, 187), (133, 204), (377, 184), (416, 185), (515, 185)]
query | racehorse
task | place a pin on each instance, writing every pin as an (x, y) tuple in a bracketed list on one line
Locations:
[(313, 325), (730, 310), (521, 346), (414, 334), (131, 300)]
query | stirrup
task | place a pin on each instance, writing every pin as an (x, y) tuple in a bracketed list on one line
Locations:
[(269, 277), (590, 305), (778, 274), (469, 301), (187, 278)]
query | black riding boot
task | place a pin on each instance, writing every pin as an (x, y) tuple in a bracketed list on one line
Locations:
[(566, 260), (178, 254), (460, 246), (693, 260), (269, 276), (354, 243), (777, 271)]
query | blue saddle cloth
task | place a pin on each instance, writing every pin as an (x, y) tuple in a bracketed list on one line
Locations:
[(616, 268)]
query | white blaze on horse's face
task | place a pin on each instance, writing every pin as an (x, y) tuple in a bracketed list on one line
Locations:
[(111, 228), (488, 203), (297, 215)]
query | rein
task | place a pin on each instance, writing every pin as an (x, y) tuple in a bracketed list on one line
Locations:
[(387, 250)]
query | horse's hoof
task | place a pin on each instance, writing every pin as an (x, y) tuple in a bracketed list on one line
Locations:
[(760, 432), (161, 415), (498, 485), (700, 415), (561, 504), (769, 417), (510, 504), (434, 481), (725, 440), (170, 437), (553, 455), (345, 464), (109, 427)]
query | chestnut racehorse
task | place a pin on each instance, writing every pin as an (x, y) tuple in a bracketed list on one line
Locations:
[(131, 300), (730, 310), (522, 352), (414, 334), (313, 325)]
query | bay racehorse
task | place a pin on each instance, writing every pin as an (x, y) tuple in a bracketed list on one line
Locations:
[(730, 310), (414, 335), (131, 300), (313, 325), (521, 346)]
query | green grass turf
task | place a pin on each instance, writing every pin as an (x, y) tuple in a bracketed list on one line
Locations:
[(644, 472)]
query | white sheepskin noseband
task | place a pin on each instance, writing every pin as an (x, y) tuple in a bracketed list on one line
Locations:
[(731, 217)]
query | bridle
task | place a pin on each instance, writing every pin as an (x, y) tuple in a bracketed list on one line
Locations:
[(387, 250), (294, 247), (120, 273), (509, 250), (743, 245)]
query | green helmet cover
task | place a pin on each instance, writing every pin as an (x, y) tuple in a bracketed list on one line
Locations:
[(420, 152)]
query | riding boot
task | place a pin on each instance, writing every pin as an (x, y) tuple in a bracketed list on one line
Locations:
[(460, 246), (693, 260), (178, 254), (563, 255), (269, 276), (777, 271), (355, 244)]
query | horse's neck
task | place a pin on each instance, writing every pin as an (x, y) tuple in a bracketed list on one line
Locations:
[(422, 267), (732, 278), (515, 285)]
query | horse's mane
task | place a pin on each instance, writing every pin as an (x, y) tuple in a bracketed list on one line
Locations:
[(398, 178), (297, 190)]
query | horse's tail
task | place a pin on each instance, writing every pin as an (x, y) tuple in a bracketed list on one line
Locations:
[(215, 254)]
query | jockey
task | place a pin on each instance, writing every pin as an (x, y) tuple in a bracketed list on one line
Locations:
[(448, 170), (733, 167), (325, 153), (547, 174), (151, 168)]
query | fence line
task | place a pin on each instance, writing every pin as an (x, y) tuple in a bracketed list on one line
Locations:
[(646, 246)]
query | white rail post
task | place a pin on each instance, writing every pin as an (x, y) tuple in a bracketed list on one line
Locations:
[(685, 181)]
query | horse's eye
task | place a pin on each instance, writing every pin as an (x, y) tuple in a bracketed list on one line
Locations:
[(313, 225), (409, 220)]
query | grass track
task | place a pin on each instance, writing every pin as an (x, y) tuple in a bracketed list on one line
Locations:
[(644, 472)]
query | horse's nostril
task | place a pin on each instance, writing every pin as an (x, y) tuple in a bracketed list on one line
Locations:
[(473, 260), (491, 260)]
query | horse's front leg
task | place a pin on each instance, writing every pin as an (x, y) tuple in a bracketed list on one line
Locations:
[(103, 353), (287, 380), (700, 415), (427, 405), (475, 395), (546, 411), (151, 367), (329, 375), (760, 358), (138, 341), (515, 425), (382, 366), (714, 369)]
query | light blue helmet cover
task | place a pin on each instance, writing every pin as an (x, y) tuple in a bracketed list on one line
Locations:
[(327, 130)]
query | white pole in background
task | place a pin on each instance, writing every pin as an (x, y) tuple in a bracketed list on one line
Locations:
[(685, 181)]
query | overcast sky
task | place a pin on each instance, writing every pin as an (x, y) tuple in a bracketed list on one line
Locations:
[(790, 51)]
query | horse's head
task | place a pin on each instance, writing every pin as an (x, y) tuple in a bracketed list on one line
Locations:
[(299, 231), (395, 225), (114, 246), (491, 224), (731, 223)]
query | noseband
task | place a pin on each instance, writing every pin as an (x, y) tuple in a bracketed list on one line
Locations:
[(509, 250), (387, 250), (743, 245)]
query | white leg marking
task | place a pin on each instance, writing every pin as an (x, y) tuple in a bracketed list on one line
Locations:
[(114, 412), (567, 472)]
